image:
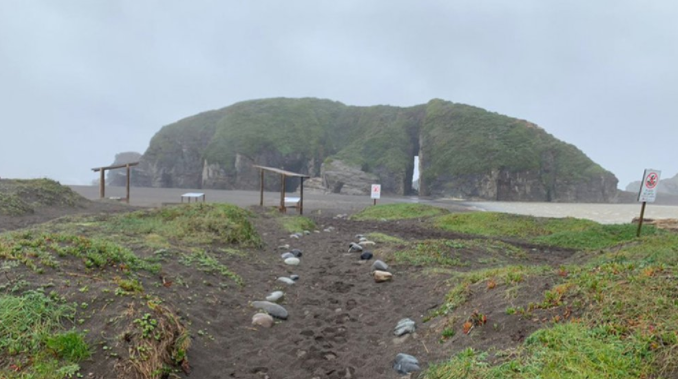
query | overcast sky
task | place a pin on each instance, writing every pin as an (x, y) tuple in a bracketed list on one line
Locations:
[(83, 80)]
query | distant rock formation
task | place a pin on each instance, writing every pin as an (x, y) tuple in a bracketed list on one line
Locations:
[(117, 177), (464, 152), (667, 186)]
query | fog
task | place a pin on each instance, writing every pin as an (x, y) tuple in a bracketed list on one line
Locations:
[(84, 80)]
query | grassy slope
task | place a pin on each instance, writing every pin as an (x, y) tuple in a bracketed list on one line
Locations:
[(20, 197), (622, 292), (118, 251)]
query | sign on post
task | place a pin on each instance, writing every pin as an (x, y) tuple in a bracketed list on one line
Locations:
[(648, 188), (375, 192), (647, 193)]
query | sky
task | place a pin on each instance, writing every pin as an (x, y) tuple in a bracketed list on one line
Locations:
[(83, 80)]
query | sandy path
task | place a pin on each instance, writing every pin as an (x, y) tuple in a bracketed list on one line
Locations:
[(341, 322)]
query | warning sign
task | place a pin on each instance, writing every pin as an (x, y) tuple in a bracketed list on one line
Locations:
[(376, 191), (648, 188)]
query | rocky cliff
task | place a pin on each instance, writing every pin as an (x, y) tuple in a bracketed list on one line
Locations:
[(666, 186), (463, 151)]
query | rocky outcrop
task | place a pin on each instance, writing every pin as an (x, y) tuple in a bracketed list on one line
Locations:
[(463, 151), (339, 177), (118, 177), (666, 186)]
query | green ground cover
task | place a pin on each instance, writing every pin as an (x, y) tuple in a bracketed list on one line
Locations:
[(400, 211)]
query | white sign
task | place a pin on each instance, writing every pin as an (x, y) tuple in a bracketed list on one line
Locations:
[(376, 191), (648, 187)]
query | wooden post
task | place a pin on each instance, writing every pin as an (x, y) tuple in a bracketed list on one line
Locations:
[(301, 193), (261, 188), (282, 193), (102, 183), (375, 202), (640, 222), (127, 198)]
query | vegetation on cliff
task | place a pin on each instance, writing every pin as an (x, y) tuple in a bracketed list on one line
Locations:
[(21, 197), (460, 147)]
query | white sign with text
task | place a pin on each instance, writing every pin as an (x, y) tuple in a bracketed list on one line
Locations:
[(376, 191), (648, 187)]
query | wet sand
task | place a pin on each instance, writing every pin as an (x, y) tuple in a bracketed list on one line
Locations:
[(320, 202)]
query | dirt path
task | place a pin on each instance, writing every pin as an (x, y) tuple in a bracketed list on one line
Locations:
[(341, 322)]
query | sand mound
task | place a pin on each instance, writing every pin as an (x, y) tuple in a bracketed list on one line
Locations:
[(23, 197)]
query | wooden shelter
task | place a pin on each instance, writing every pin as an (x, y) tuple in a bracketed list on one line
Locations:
[(283, 175), (102, 178)]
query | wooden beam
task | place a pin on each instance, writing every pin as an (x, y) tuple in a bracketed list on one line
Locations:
[(301, 193), (282, 193), (261, 188), (127, 197), (102, 184)]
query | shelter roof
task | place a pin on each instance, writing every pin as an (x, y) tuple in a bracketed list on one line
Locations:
[(114, 167), (283, 172)]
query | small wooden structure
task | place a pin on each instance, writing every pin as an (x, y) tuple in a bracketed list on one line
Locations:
[(102, 178), (298, 201)]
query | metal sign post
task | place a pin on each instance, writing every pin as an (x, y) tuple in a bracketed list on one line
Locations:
[(375, 193), (647, 193)]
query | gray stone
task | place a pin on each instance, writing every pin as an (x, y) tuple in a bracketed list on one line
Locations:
[(296, 252), (273, 309), (285, 280), (284, 247), (379, 265), (404, 326), (405, 364), (366, 256), (294, 236), (287, 255), (307, 232), (359, 236), (294, 277), (275, 296), (362, 239), (354, 247), (262, 319), (292, 261)]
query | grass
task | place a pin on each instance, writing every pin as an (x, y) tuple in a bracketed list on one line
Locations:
[(384, 238), (399, 211), (191, 224), (562, 232), (628, 326), (567, 350), (296, 224), (32, 340), (208, 263), (21, 197), (446, 253), (40, 250)]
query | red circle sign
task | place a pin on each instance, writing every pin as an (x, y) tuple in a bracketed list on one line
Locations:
[(652, 180)]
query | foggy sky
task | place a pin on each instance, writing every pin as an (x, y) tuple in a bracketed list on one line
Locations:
[(83, 80)]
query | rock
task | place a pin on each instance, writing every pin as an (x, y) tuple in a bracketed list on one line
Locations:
[(285, 280), (287, 255), (382, 276), (366, 242), (341, 177), (296, 252), (292, 261), (405, 364), (275, 296), (262, 319), (273, 309), (404, 326), (366, 256), (379, 265), (359, 236), (294, 236), (284, 247), (354, 247), (362, 239), (307, 232), (294, 277)]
